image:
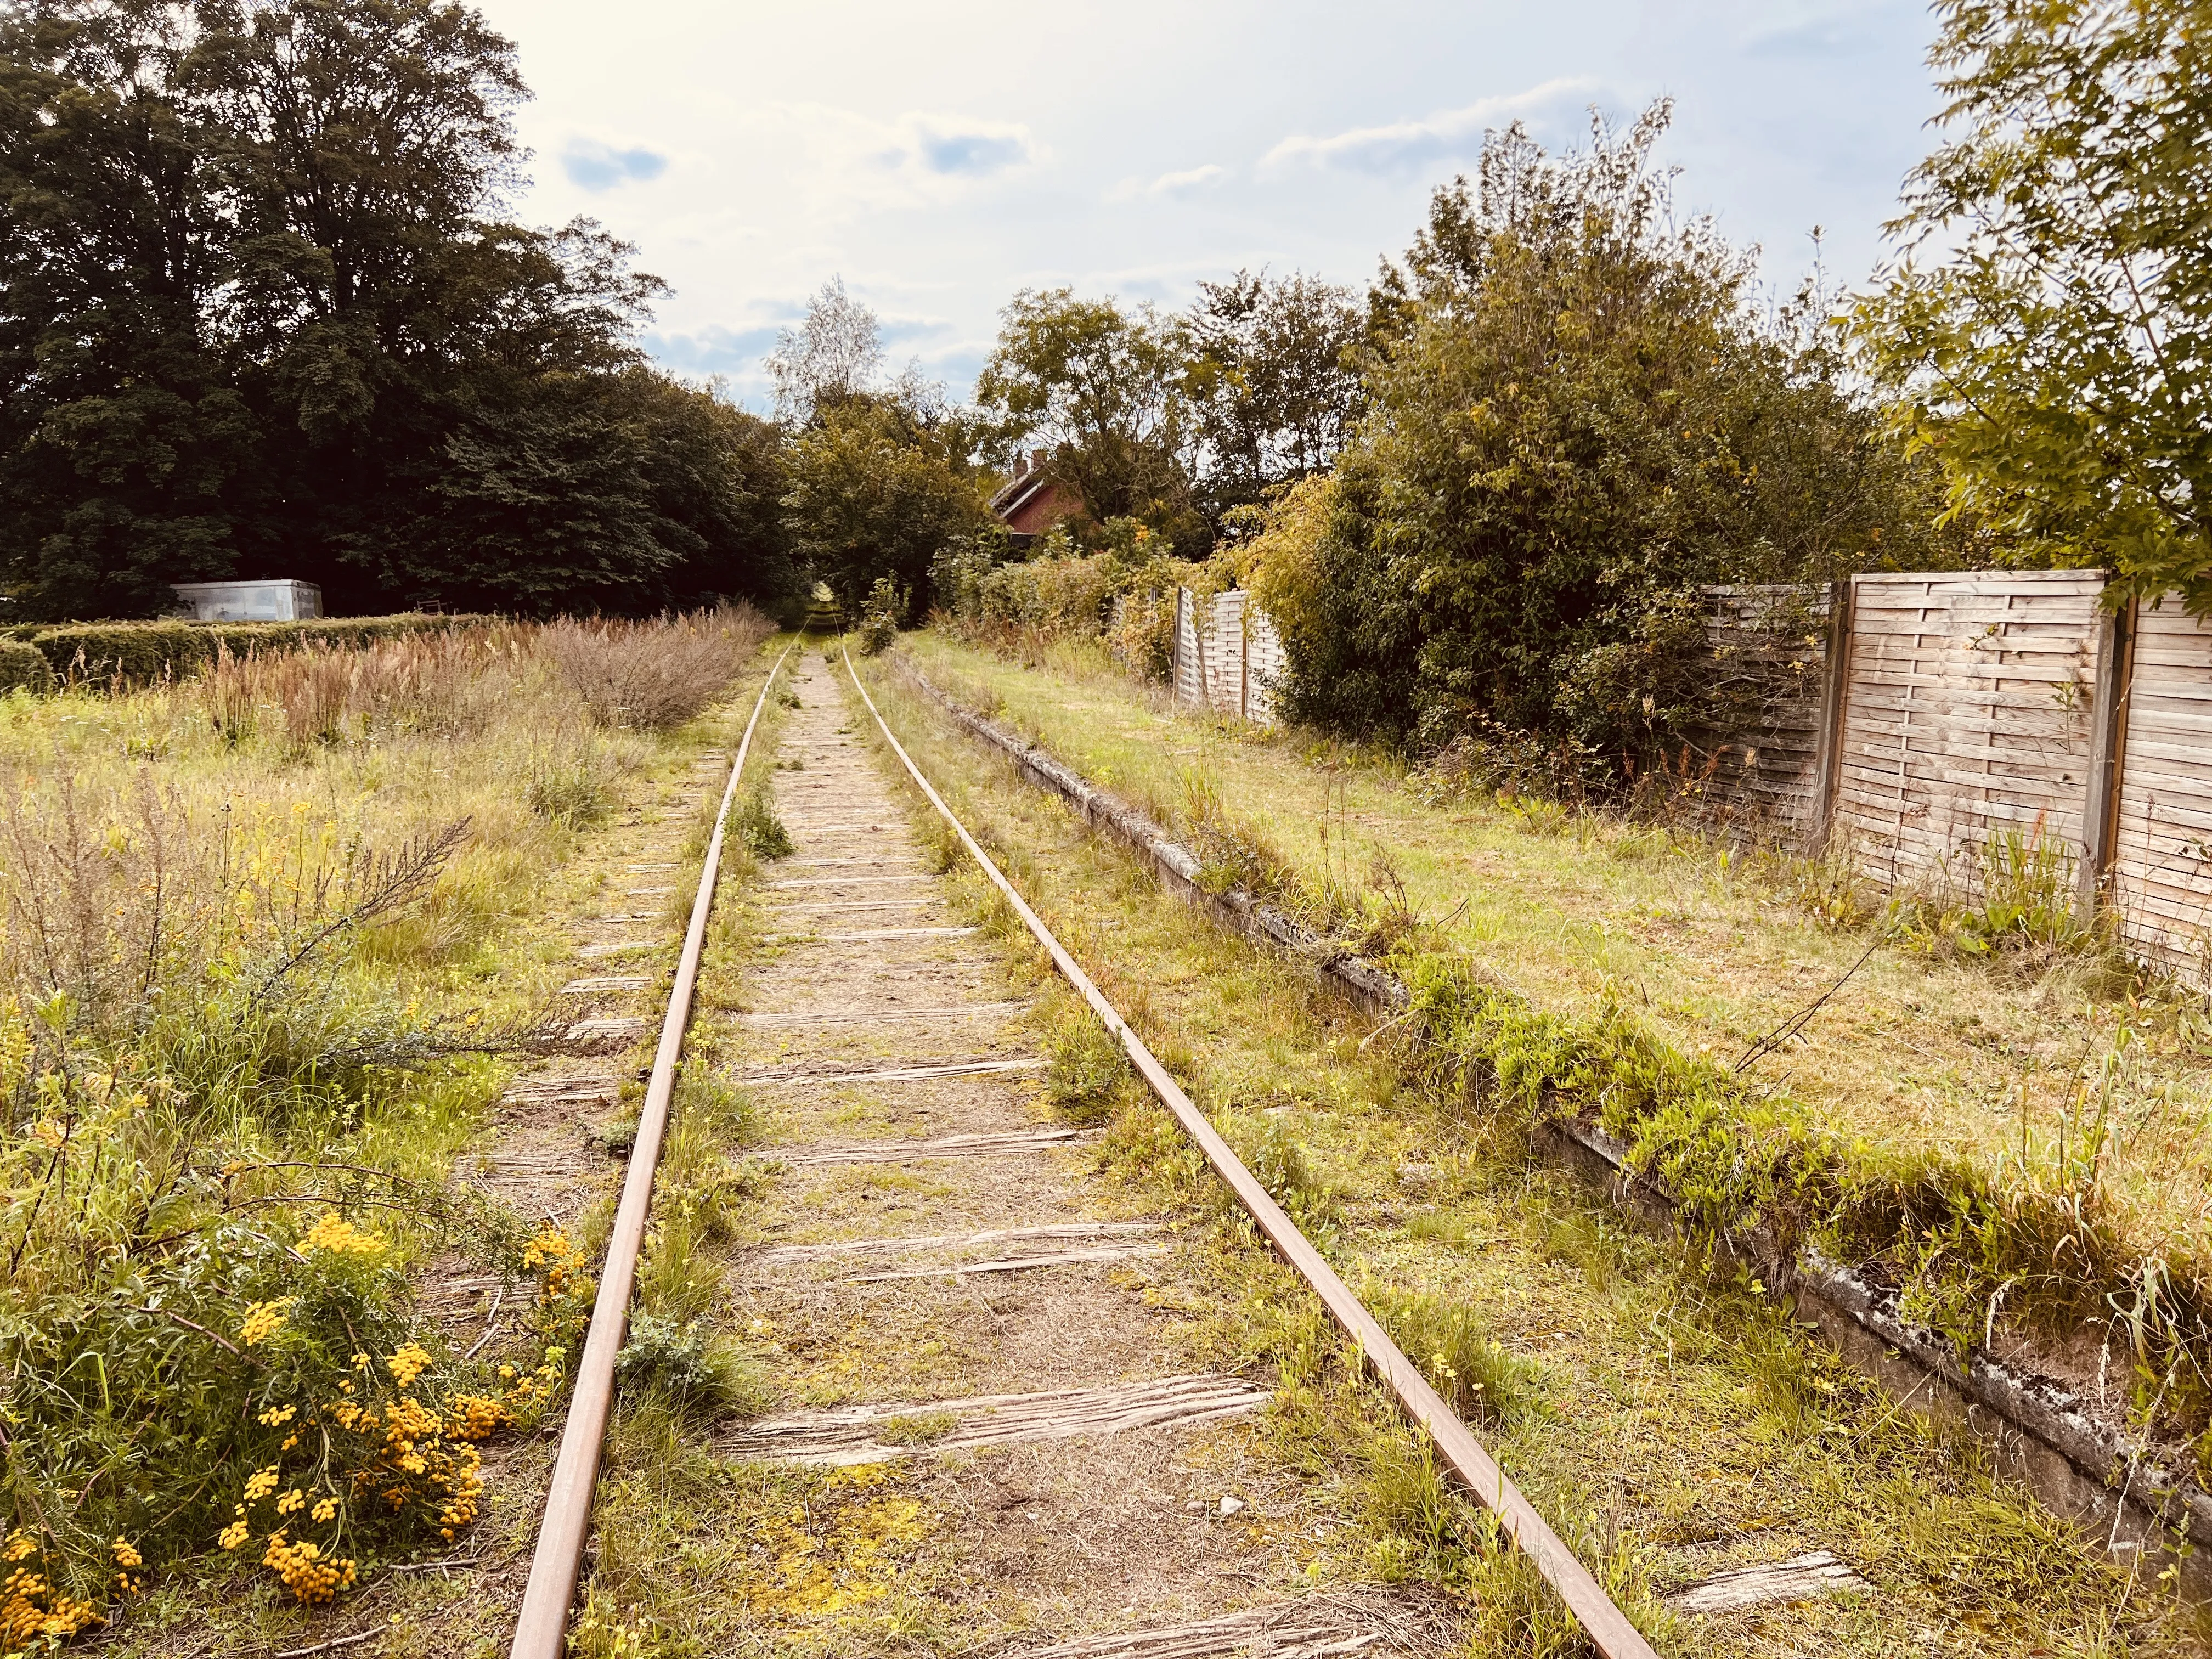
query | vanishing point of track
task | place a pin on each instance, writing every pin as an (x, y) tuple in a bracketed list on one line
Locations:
[(882, 958)]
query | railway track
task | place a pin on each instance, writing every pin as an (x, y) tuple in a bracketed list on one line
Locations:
[(996, 1313)]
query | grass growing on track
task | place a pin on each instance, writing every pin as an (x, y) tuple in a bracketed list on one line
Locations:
[(2022, 1154), (1712, 945), (1678, 1426)]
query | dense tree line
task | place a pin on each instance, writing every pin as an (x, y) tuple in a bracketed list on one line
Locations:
[(261, 312)]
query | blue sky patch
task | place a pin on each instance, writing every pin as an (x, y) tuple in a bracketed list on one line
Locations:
[(595, 167)]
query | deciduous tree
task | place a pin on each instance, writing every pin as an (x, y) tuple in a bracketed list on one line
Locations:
[(2048, 326), (1576, 413), (262, 312), (1103, 386), (1272, 382)]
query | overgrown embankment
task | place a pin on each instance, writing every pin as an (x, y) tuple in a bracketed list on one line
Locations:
[(1673, 1422), (1776, 1061), (266, 935)]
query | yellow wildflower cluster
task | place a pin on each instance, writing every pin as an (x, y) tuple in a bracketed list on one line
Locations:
[(126, 1558), (30, 1606), (263, 1320), (305, 1571), (423, 1456), (478, 1417), (814, 1560), (534, 1387), (409, 1362), (339, 1235), (551, 1251)]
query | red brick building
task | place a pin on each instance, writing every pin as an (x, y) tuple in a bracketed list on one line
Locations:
[(1035, 501)]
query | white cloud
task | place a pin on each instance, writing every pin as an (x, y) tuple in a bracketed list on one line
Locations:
[(1170, 184), (1403, 145), (830, 163)]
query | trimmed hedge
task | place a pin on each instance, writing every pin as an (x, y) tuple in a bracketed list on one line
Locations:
[(139, 653), (24, 665)]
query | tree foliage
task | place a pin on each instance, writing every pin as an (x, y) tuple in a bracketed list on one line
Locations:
[(2049, 329), (877, 489), (1102, 385), (260, 314), (835, 353), (1575, 415), (1272, 383)]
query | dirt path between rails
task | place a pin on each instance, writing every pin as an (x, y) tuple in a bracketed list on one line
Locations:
[(990, 1434)]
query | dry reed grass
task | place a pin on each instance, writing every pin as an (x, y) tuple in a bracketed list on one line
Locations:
[(652, 676)]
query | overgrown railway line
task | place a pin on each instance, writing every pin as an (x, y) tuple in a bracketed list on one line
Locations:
[(900, 1074)]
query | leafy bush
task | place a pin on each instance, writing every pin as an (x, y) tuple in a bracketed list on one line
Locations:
[(666, 1358), (1507, 533), (760, 829), (2021, 901), (879, 618), (1123, 595), (23, 665), (143, 653)]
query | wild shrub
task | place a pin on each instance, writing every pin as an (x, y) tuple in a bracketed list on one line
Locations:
[(1123, 594), (24, 665), (681, 1366), (225, 1099), (1085, 1067), (880, 618), (1508, 534), (654, 676)]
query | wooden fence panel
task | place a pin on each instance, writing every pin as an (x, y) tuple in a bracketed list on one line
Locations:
[(1226, 655), (1769, 651), (2161, 875), (1225, 651), (1965, 714), (1264, 663), (1189, 662)]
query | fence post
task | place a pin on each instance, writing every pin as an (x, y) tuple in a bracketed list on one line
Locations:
[(1244, 658), (1835, 694), (2108, 748), (1175, 656)]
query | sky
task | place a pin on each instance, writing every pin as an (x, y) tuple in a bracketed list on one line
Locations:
[(937, 158)]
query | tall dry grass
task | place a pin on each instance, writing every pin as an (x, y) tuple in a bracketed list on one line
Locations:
[(656, 675)]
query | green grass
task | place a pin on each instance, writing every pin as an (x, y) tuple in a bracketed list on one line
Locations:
[(1983, 1103), (220, 985), (1669, 1424)]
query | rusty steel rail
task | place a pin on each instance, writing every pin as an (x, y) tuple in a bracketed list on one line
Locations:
[(541, 1629), (1606, 1626)]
